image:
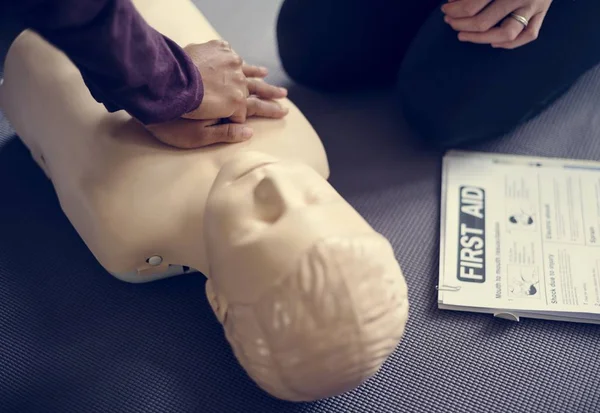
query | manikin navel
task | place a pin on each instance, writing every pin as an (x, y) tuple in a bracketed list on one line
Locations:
[(311, 298)]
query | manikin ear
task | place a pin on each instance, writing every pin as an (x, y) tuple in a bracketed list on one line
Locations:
[(217, 302)]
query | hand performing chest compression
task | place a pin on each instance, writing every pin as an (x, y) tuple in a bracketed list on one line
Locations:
[(233, 92), (187, 97)]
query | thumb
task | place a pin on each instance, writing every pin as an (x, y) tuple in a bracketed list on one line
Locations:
[(227, 133)]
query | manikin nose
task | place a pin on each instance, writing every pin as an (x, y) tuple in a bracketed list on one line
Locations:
[(276, 196)]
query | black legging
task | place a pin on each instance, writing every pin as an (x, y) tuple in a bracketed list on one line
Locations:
[(452, 92)]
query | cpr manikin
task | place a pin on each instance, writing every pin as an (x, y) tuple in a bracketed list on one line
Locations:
[(311, 298)]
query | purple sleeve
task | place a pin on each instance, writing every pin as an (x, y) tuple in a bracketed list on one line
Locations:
[(126, 64)]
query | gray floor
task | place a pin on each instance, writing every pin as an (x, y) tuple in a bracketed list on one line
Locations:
[(157, 348)]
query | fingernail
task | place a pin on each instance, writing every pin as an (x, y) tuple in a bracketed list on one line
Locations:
[(447, 19), (264, 70), (247, 132), (283, 90)]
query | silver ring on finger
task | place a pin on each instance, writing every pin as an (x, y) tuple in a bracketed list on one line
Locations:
[(520, 19)]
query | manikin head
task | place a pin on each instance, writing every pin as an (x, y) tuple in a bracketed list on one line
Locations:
[(311, 298)]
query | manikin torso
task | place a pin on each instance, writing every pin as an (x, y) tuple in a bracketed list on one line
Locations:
[(129, 196), (311, 298)]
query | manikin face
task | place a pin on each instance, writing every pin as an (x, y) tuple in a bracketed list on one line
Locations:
[(311, 298), (262, 215)]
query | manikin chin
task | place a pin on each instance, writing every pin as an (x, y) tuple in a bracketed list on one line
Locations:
[(311, 297)]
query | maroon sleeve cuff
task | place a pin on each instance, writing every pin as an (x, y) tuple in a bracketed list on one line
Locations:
[(126, 64)]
